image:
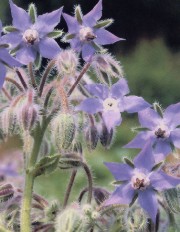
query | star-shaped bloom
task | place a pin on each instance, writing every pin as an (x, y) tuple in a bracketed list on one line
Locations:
[(85, 32), (5, 59), (162, 131), (111, 102), (31, 38), (140, 180)]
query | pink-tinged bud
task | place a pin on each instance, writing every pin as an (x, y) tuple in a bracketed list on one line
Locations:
[(67, 62), (28, 116), (106, 66), (8, 121)]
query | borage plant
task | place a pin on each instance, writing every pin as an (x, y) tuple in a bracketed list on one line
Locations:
[(72, 110)]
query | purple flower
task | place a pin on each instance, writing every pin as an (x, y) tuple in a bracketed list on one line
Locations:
[(85, 32), (33, 38), (163, 132), (111, 102), (5, 59), (140, 181)]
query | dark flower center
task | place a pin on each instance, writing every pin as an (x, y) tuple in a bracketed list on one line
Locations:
[(139, 184), (86, 34), (90, 36), (160, 133), (30, 36)]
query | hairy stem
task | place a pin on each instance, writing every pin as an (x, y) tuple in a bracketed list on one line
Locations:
[(14, 83), (31, 74), (90, 182), (3, 229), (21, 79), (69, 188), (6, 94), (84, 70), (29, 181), (45, 75)]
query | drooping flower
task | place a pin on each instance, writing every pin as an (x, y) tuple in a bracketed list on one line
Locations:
[(140, 180), (163, 132), (5, 59), (31, 36), (111, 102), (85, 33)]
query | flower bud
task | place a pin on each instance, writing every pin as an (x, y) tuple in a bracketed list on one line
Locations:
[(67, 62), (63, 128), (8, 121), (71, 219), (71, 160), (105, 136), (92, 137), (28, 116), (105, 65), (100, 195), (6, 192)]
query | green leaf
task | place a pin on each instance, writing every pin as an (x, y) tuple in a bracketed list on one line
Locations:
[(78, 14), (55, 34), (156, 166), (128, 162), (32, 12), (158, 108), (8, 29), (118, 182), (68, 37), (38, 61), (46, 165), (133, 200), (104, 23)]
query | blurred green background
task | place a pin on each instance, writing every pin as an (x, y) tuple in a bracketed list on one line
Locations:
[(150, 57)]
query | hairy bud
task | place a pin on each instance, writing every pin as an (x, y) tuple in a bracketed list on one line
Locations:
[(92, 137), (71, 160), (105, 136), (6, 192), (63, 128), (8, 121), (67, 62), (100, 195)]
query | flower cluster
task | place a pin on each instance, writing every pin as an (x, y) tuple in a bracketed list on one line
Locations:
[(70, 112)]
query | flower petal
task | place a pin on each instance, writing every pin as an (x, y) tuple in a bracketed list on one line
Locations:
[(175, 136), (120, 171), (145, 159), (87, 52), (111, 119), (172, 115), (94, 15), (98, 90), (8, 59), (122, 195), (134, 104), (161, 181), (148, 201), (120, 88), (90, 106), (48, 48), (72, 23), (2, 74), (21, 19), (12, 38), (162, 146), (140, 139), (105, 37), (76, 44), (26, 54), (46, 23), (149, 118)]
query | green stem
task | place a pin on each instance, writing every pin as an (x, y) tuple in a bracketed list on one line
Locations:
[(68, 191), (29, 181), (31, 74), (90, 182)]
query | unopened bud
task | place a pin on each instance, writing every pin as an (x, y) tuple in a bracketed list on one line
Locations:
[(71, 160), (67, 62), (28, 116), (8, 121), (92, 137), (100, 195), (70, 219), (6, 192), (63, 128), (106, 137)]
